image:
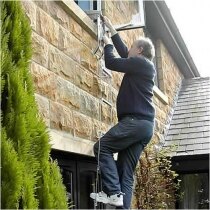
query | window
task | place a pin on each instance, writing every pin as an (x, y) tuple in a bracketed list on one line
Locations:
[(196, 191), (89, 5)]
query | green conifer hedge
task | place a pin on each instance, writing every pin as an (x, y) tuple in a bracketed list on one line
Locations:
[(29, 179)]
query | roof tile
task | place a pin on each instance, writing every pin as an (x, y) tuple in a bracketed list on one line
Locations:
[(190, 127)]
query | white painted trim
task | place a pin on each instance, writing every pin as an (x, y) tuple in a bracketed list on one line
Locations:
[(99, 5), (160, 95)]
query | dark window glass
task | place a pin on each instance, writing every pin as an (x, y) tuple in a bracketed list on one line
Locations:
[(195, 189), (87, 5), (68, 180), (79, 177)]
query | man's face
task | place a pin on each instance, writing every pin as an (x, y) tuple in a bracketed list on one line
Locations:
[(135, 50)]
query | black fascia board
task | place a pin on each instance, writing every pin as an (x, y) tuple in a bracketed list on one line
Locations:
[(191, 163)]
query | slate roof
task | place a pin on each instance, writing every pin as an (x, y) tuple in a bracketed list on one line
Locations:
[(189, 128)]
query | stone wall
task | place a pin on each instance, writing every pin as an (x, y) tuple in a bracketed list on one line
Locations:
[(66, 73), (170, 78)]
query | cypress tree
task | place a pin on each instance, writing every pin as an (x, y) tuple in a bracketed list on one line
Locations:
[(11, 174), (29, 179)]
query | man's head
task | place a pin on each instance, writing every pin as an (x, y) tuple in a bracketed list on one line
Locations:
[(143, 47)]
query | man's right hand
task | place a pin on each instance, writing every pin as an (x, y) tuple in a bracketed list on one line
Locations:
[(109, 25)]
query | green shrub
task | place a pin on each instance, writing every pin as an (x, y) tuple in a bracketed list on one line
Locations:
[(29, 179)]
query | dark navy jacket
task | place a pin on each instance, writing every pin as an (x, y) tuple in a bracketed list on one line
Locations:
[(136, 90)]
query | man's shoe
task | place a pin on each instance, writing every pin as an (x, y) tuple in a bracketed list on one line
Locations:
[(116, 200), (100, 197)]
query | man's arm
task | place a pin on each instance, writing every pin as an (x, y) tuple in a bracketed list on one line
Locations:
[(117, 41), (120, 46), (135, 65)]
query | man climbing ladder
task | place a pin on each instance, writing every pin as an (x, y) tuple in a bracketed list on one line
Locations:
[(135, 113)]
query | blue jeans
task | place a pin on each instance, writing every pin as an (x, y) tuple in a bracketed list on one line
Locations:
[(128, 137)]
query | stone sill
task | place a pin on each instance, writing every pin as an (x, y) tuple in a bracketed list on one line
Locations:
[(65, 142), (160, 95), (80, 16)]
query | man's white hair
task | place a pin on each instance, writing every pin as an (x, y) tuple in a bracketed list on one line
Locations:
[(148, 47)]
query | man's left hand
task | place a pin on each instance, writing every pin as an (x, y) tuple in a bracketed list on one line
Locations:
[(106, 40)]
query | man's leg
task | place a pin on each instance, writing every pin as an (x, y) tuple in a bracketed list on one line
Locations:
[(126, 164), (110, 143), (126, 133)]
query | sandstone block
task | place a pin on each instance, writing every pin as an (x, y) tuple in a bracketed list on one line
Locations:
[(58, 14), (88, 40), (40, 50), (109, 8), (61, 64), (157, 125), (105, 91), (44, 80), (44, 5), (161, 85), (160, 68), (84, 79), (96, 86), (61, 117), (158, 49), (69, 44), (106, 113), (43, 106), (85, 57), (93, 63), (102, 89), (122, 7), (47, 27), (30, 9), (88, 60), (114, 96), (98, 128), (160, 115), (76, 49), (114, 116), (68, 94), (82, 125), (75, 28), (117, 79), (89, 105)]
